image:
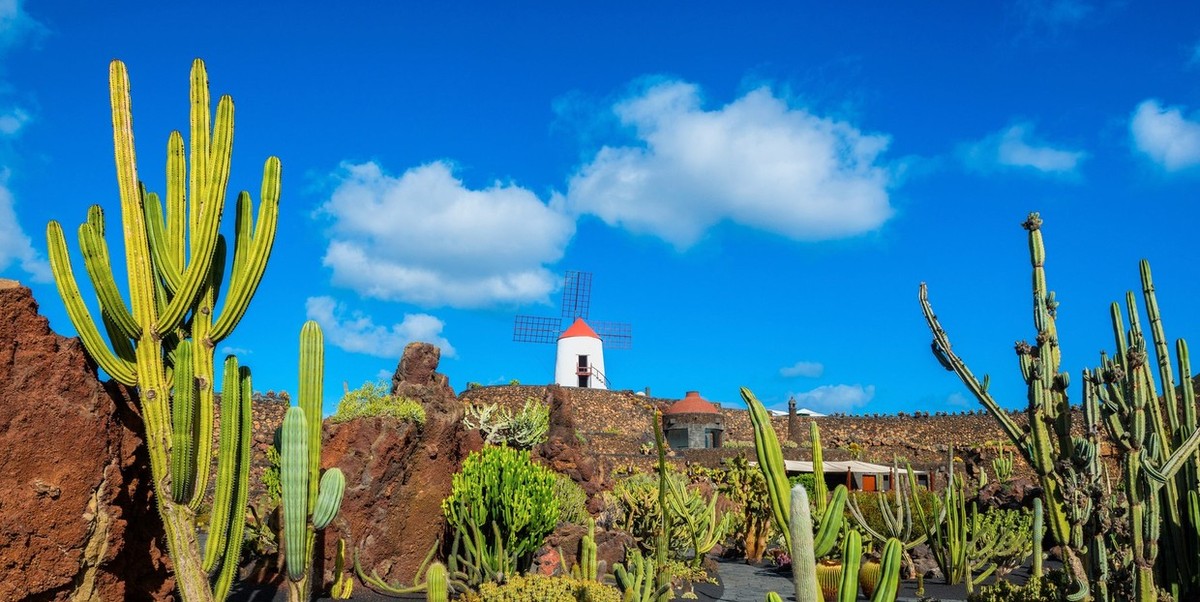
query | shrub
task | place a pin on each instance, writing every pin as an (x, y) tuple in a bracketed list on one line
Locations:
[(373, 399), (501, 491), (523, 429), (572, 500), (524, 588), (736, 443), (809, 481)]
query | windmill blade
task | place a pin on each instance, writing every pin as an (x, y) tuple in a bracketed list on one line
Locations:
[(577, 295), (536, 329), (615, 335)]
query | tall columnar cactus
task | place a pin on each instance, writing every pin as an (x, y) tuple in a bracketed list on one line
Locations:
[(663, 579), (1156, 440), (1067, 466), (588, 568), (1038, 532), (639, 583), (830, 515), (308, 506), (162, 341), (800, 544)]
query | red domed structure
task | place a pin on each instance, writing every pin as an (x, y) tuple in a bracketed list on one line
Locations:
[(693, 423)]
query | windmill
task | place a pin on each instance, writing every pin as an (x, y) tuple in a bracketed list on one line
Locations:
[(580, 358)]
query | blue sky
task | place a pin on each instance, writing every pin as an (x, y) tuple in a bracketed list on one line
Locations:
[(758, 190)]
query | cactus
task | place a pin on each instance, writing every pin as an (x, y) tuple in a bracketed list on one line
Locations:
[(700, 520), (308, 505), (830, 515), (436, 589), (500, 508), (897, 517), (587, 568), (638, 583), (163, 340), (661, 546), (888, 586), (343, 583), (1038, 530), (773, 597), (804, 560), (1156, 439), (1003, 464)]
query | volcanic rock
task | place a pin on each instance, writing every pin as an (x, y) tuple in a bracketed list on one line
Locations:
[(397, 474), (77, 519)]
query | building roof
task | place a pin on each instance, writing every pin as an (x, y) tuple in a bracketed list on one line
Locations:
[(800, 412), (834, 466), (692, 403), (579, 329)]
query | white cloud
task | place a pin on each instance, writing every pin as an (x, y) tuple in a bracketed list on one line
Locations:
[(425, 238), (805, 369), (756, 161), (238, 351), (358, 333), (1165, 135), (1017, 147), (12, 120), (830, 399), (16, 249)]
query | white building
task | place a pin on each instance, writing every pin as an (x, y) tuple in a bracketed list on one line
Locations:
[(580, 359)]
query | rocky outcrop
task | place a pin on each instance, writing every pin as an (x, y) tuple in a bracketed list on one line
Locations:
[(567, 451), (397, 474), (77, 518)]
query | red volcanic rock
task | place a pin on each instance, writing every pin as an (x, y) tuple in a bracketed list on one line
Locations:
[(397, 474), (77, 519)]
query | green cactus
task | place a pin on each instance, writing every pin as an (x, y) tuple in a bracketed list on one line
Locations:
[(588, 567), (343, 583), (308, 504), (162, 341), (773, 597), (638, 583), (804, 562), (1156, 439), (436, 589), (500, 508), (829, 513), (1003, 464), (897, 515)]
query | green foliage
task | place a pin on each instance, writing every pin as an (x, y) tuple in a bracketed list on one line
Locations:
[(524, 588), (746, 488), (270, 476), (639, 514), (736, 444), (514, 383), (374, 399), (498, 425), (1051, 588), (501, 507), (572, 500), (808, 479), (473, 385)]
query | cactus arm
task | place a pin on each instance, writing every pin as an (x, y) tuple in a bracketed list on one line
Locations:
[(952, 362), (851, 560), (242, 390), (329, 497), (96, 262), (770, 461), (251, 253), (831, 523), (889, 572), (227, 464), (64, 278), (156, 233), (175, 224), (1038, 531), (820, 489), (293, 476), (183, 422), (312, 358), (204, 242)]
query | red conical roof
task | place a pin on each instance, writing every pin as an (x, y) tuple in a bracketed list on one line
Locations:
[(692, 403), (579, 329)]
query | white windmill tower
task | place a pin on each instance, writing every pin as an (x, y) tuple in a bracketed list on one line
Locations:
[(580, 358)]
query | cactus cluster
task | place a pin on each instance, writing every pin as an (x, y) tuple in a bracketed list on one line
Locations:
[(308, 505), (162, 341), (500, 507), (898, 514), (1111, 552), (806, 542)]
